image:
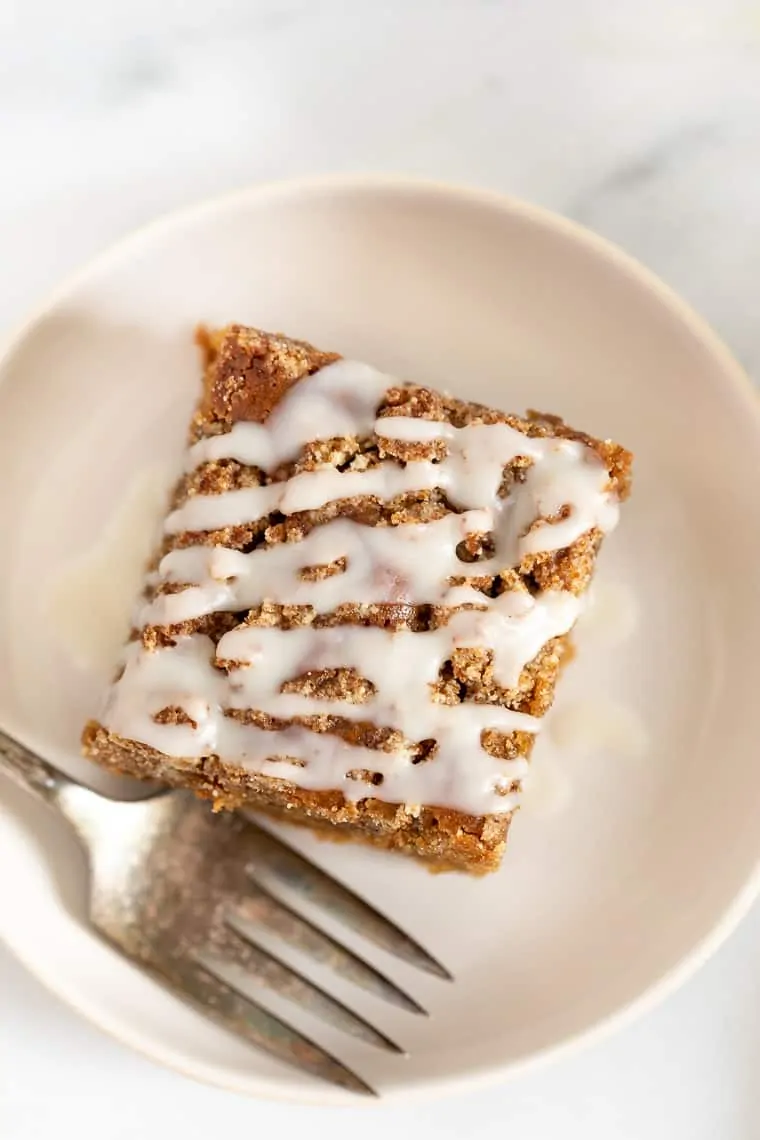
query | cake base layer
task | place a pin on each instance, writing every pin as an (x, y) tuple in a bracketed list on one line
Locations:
[(447, 839)]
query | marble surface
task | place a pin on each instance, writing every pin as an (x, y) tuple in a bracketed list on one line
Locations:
[(639, 118)]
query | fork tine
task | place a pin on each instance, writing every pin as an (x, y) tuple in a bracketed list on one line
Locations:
[(291, 869), (262, 908), (229, 947), (246, 1018)]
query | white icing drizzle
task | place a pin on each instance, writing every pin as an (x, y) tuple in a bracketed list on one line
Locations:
[(563, 495), (184, 676), (401, 665), (409, 563), (564, 473), (342, 400)]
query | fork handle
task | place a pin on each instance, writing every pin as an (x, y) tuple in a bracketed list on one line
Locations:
[(30, 770)]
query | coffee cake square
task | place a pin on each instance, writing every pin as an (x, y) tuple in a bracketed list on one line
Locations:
[(362, 599)]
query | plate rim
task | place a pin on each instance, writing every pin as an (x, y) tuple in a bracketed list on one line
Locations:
[(732, 373)]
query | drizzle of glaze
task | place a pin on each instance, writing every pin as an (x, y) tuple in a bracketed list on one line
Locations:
[(341, 403), (564, 493), (564, 473), (184, 676)]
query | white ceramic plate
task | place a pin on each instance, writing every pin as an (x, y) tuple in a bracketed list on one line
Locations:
[(651, 853)]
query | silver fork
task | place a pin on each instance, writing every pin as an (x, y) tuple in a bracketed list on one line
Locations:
[(178, 890)]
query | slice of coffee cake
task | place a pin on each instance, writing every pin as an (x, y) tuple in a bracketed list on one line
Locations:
[(362, 600)]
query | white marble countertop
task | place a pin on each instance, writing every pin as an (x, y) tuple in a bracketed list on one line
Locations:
[(639, 119)]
